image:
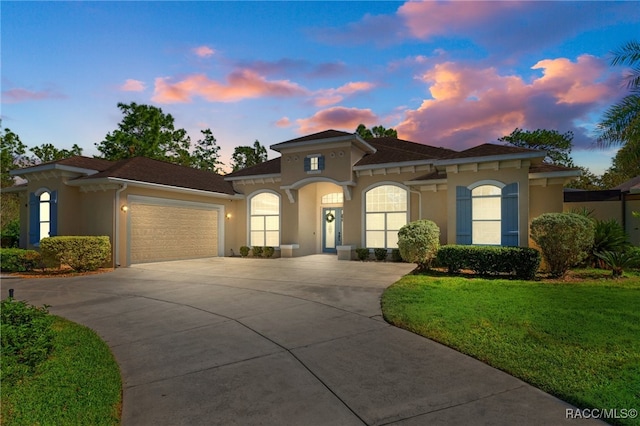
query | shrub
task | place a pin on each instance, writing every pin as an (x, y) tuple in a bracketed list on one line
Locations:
[(80, 253), (618, 261), (523, 262), (609, 236), (419, 242), (257, 251), (26, 337), (18, 260), (395, 255), (380, 254), (10, 235), (244, 251), (565, 239), (268, 251), (362, 253)]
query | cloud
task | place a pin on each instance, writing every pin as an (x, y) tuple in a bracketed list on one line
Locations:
[(239, 85), (203, 51), (132, 85), (471, 106), (19, 95), (327, 97), (339, 118), (283, 122)]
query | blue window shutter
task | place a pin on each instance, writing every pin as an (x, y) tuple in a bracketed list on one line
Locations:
[(321, 163), (510, 216), (463, 215), (53, 214), (34, 219), (307, 164)]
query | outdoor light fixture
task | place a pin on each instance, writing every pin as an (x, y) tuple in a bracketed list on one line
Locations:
[(228, 215), (124, 208)]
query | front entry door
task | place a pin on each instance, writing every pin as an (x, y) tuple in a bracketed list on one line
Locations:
[(331, 229)]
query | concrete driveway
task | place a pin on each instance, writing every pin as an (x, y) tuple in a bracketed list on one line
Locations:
[(230, 341)]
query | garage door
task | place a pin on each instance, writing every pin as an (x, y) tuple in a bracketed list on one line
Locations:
[(160, 232)]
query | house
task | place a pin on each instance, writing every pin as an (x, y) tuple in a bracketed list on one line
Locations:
[(329, 192)]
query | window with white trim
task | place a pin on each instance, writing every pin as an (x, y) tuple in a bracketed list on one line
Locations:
[(486, 207), (45, 214), (264, 220), (385, 213)]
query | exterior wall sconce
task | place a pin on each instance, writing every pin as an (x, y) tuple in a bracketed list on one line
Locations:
[(228, 216), (124, 209)]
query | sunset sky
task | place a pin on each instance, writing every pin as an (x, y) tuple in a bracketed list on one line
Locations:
[(451, 74)]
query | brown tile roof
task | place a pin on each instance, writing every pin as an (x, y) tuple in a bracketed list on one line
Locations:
[(627, 186), (269, 167), (327, 134), (143, 169), (546, 167), (435, 175), (393, 150), (489, 149), (97, 164)]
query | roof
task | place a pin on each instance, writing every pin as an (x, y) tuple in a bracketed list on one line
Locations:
[(546, 168), (269, 167), (328, 136), (394, 150), (632, 185), (490, 149), (142, 169)]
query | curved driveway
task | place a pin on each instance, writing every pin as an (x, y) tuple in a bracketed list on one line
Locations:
[(231, 341)]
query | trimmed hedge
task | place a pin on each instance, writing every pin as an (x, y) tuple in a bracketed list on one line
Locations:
[(80, 253), (418, 242), (257, 251), (362, 253), (268, 251), (523, 262), (19, 260)]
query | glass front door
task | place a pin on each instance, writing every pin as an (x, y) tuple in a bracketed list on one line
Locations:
[(331, 229)]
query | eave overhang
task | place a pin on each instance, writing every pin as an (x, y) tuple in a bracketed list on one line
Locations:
[(355, 139)]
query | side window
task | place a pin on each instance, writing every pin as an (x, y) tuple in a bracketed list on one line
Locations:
[(314, 163), (486, 211), (385, 213), (264, 220), (43, 215)]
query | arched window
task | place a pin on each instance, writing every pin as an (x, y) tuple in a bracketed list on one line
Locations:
[(264, 220), (45, 214), (486, 205), (385, 213)]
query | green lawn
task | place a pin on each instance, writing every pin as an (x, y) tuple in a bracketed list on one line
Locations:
[(79, 384), (578, 340)]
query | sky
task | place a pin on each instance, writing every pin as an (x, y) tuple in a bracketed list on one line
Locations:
[(451, 74)]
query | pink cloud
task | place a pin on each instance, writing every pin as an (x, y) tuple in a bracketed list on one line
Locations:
[(203, 51), (283, 122), (19, 95), (241, 84), (327, 97), (339, 118), (470, 106), (132, 85)]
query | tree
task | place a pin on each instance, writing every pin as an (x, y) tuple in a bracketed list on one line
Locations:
[(247, 156), (146, 131), (12, 155), (205, 155), (557, 145), (620, 125), (47, 152), (375, 132), (419, 242)]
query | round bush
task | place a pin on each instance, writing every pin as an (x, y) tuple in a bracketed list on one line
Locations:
[(565, 239), (419, 242)]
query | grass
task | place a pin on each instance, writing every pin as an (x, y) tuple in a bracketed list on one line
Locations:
[(79, 384), (578, 339)]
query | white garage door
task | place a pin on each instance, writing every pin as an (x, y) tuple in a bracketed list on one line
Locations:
[(172, 231)]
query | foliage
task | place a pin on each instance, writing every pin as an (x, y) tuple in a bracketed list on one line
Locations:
[(47, 152), (523, 262), (375, 132), (257, 251), (10, 234), (564, 238), (587, 181), (247, 156), (206, 155), (619, 260), (268, 251), (558, 145), (609, 236), (362, 253), (78, 384), (145, 131), (380, 254), (576, 340), (12, 155), (620, 125), (18, 260), (395, 255), (80, 253), (244, 251), (624, 166), (26, 338), (418, 242)]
